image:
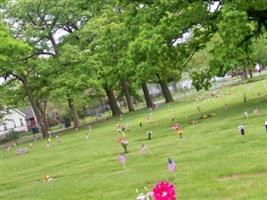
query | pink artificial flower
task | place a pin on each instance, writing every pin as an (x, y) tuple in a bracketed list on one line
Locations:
[(122, 158), (164, 191)]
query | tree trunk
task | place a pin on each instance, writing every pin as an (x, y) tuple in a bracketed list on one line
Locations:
[(74, 114), (41, 121), (245, 74), (250, 73), (125, 87), (102, 105), (42, 109), (113, 102), (148, 99), (166, 92)]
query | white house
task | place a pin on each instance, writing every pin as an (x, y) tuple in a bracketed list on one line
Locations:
[(12, 119), (186, 84)]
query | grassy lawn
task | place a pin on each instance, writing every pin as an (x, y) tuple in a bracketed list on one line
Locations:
[(213, 160)]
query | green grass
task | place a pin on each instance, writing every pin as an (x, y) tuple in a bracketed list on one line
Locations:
[(213, 160)]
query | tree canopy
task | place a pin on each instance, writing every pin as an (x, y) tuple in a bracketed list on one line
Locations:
[(77, 50)]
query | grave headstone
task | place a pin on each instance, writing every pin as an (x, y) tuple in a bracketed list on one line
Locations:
[(21, 151)]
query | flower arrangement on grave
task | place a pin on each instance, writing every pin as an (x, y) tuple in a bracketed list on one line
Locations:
[(22, 151), (209, 115), (163, 190), (178, 129), (46, 178), (192, 122), (204, 116), (124, 143)]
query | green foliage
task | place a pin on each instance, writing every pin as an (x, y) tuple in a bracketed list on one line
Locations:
[(234, 50), (53, 69), (233, 37), (12, 67), (11, 50), (73, 79), (155, 52), (260, 50), (238, 24), (107, 42), (11, 53), (201, 80), (105, 39)]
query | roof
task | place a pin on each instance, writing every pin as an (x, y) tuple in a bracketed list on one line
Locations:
[(7, 109), (18, 111), (28, 112)]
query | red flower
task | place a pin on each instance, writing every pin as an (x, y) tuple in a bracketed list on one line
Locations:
[(164, 191)]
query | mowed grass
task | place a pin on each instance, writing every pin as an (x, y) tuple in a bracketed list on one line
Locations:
[(213, 160)]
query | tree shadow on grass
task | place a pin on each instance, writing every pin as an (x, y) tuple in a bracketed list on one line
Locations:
[(235, 109)]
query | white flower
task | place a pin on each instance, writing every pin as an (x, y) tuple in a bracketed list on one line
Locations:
[(141, 196)]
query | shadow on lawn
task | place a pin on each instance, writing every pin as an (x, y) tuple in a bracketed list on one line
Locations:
[(233, 110)]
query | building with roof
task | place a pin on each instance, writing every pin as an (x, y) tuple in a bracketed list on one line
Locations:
[(12, 120), (30, 118)]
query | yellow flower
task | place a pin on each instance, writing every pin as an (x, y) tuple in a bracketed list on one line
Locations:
[(45, 178)]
